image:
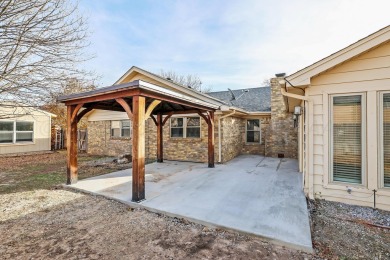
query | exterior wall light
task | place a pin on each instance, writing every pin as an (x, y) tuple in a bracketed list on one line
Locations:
[(297, 113), (297, 110)]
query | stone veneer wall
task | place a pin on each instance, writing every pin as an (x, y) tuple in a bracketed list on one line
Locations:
[(282, 136), (100, 141), (231, 132), (181, 149)]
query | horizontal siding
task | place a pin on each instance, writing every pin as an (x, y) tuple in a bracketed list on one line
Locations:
[(318, 159), (42, 136), (365, 73), (103, 115), (362, 75), (363, 64), (318, 169), (362, 198)]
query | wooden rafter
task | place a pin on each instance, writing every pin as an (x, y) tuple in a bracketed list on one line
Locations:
[(125, 106), (206, 118)]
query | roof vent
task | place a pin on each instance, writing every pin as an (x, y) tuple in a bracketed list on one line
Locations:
[(280, 75)]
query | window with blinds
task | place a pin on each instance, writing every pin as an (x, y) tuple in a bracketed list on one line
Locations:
[(386, 139), (347, 139)]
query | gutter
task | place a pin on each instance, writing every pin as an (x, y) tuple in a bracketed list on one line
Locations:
[(219, 135), (291, 95)]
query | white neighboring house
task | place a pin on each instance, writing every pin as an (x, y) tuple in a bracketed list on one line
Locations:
[(24, 130)]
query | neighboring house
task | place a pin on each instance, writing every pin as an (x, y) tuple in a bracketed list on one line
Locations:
[(24, 129), (340, 133), (346, 123)]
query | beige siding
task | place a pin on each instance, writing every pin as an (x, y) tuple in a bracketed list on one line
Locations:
[(368, 73), (42, 136), (102, 115)]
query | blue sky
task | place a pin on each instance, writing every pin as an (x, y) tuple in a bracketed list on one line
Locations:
[(228, 44)]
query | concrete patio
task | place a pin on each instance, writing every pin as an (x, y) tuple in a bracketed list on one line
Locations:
[(251, 194)]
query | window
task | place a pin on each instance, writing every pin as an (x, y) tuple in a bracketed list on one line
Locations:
[(16, 131), (121, 129), (253, 133), (24, 131), (385, 128), (346, 139), (6, 131), (185, 127)]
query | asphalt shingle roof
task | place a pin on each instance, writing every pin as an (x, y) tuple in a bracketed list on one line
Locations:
[(251, 99)]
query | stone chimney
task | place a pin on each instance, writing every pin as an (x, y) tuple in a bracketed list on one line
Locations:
[(282, 135)]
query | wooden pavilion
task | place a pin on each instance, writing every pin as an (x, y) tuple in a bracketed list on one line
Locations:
[(140, 100)]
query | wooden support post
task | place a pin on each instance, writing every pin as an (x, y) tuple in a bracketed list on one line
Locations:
[(160, 152), (211, 139), (71, 146), (138, 148)]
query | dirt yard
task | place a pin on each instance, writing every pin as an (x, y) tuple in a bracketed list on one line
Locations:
[(40, 220)]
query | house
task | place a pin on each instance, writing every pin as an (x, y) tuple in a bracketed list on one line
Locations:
[(24, 129), (245, 125), (344, 130), (333, 116)]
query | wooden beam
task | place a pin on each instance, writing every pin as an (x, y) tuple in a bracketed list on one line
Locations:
[(83, 113), (75, 111), (71, 147), (211, 139), (151, 107), (154, 119), (125, 106), (207, 119), (138, 166), (160, 152), (167, 117), (105, 96), (183, 112)]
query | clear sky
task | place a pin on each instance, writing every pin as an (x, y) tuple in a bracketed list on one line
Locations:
[(228, 44)]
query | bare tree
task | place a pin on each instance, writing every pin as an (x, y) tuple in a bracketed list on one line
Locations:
[(70, 86), (191, 81), (42, 43)]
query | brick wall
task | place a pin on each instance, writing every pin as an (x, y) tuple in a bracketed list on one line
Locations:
[(100, 141), (282, 137), (181, 149)]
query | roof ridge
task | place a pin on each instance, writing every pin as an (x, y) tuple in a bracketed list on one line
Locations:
[(239, 89)]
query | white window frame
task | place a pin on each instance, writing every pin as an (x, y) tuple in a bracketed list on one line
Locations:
[(120, 129), (380, 143), (185, 127), (246, 131), (14, 132), (363, 139)]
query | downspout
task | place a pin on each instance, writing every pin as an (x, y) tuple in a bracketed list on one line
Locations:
[(219, 135), (299, 97)]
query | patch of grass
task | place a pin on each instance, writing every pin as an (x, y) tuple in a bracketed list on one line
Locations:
[(46, 179), (44, 171)]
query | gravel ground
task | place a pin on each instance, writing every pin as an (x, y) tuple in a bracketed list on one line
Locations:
[(341, 231), (60, 224)]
